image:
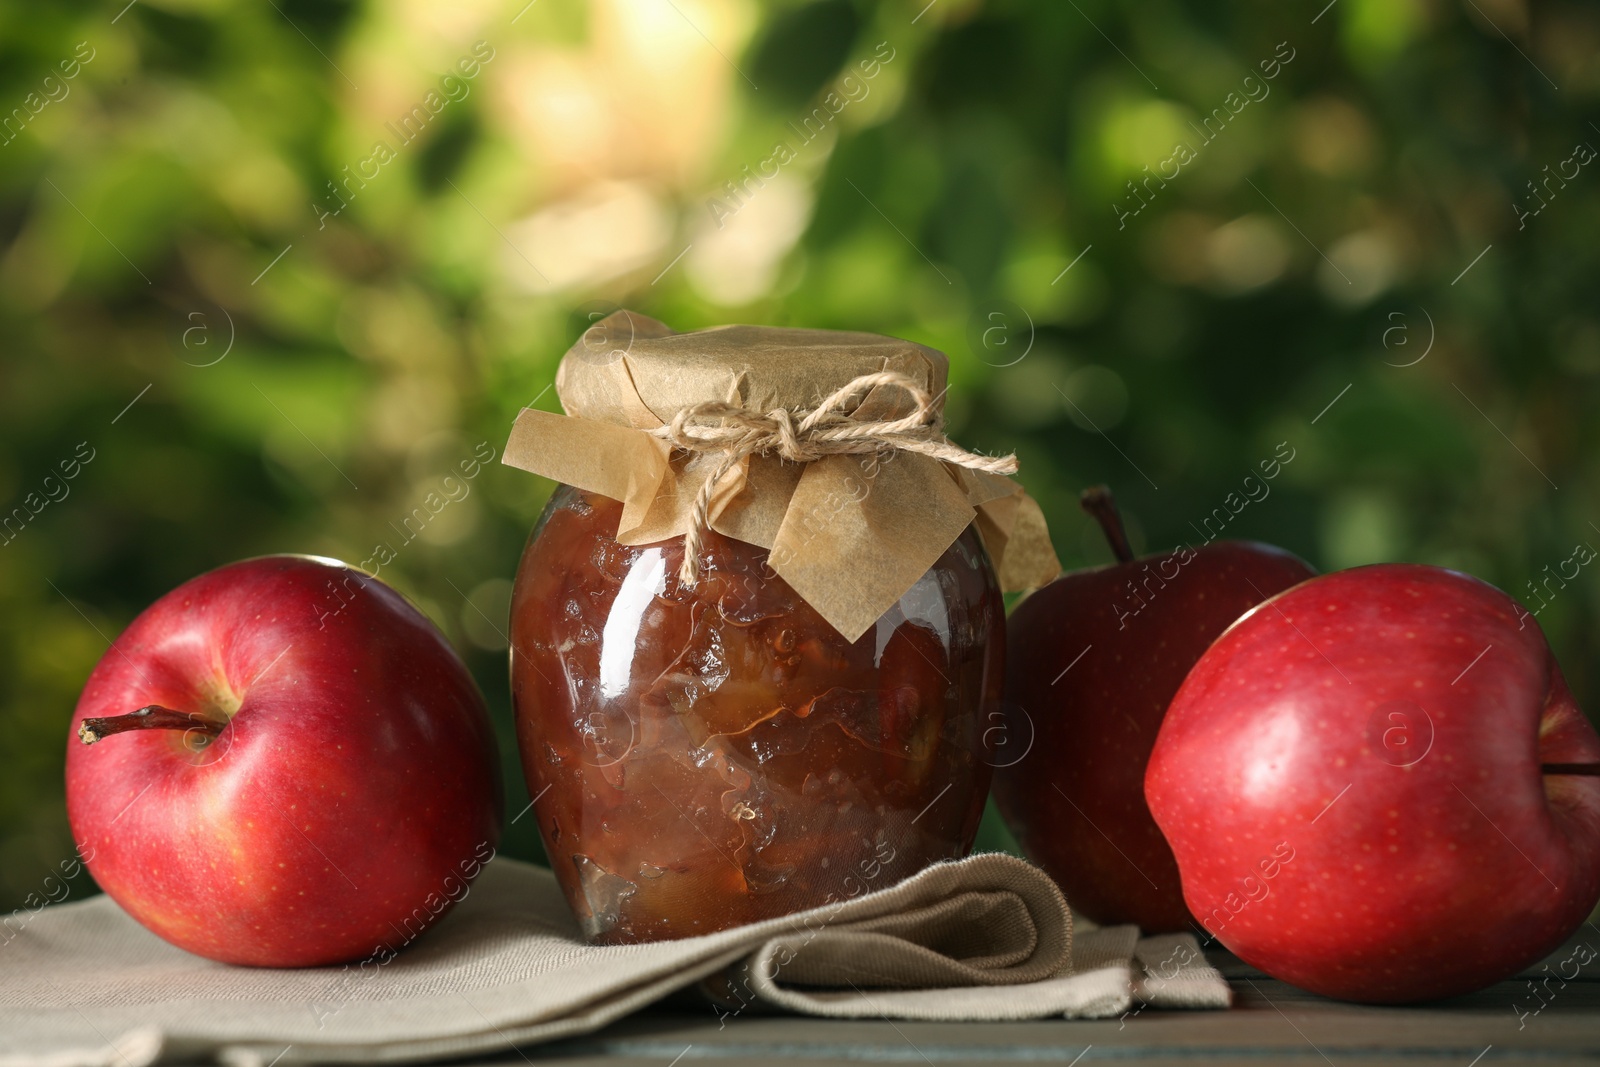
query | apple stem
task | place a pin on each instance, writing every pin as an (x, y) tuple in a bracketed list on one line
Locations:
[(1097, 501), (1591, 770), (151, 717)]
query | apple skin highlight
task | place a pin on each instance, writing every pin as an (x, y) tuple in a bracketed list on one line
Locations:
[(1093, 660), (1378, 787), (340, 787)]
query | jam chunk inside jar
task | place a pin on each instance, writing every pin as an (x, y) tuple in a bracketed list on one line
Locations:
[(704, 757)]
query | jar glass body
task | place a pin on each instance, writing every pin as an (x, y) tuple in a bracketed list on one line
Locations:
[(708, 756)]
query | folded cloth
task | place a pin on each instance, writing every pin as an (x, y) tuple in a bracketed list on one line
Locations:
[(985, 938)]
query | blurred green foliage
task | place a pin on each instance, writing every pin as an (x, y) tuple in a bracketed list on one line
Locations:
[(1340, 265)]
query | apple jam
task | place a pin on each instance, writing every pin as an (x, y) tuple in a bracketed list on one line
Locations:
[(708, 756)]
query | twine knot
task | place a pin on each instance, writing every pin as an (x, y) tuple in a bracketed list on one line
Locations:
[(731, 433)]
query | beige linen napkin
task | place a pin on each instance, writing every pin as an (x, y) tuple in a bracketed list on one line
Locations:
[(985, 938)]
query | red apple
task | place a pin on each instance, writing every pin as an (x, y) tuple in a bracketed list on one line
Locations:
[(1093, 660), (290, 767), (1379, 788)]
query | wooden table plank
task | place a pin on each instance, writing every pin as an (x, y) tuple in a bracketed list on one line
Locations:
[(1270, 1023), (1253, 1032)]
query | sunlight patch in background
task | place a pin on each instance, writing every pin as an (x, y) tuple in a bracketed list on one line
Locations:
[(738, 261), (604, 231)]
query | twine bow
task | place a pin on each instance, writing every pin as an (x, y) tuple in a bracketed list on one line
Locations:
[(732, 433)]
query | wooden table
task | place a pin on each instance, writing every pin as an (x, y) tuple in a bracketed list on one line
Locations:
[(1270, 1023)]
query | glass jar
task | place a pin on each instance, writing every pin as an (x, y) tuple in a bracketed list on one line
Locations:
[(706, 757)]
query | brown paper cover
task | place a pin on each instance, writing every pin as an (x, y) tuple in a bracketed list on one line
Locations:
[(850, 533)]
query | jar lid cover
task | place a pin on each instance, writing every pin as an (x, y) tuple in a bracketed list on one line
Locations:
[(634, 371), (824, 447)]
